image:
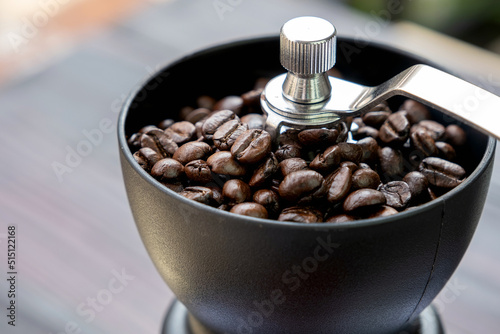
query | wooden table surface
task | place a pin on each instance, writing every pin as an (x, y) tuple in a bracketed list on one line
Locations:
[(80, 261)]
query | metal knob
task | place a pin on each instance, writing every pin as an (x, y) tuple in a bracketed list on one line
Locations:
[(308, 50)]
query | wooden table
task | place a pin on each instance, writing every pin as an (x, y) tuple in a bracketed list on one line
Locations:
[(80, 261)]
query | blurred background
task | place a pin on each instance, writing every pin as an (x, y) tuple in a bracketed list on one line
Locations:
[(66, 66)]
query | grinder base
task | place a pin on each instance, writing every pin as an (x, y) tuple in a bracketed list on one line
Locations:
[(179, 321)]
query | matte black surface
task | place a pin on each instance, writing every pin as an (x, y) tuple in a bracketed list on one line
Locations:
[(224, 267)]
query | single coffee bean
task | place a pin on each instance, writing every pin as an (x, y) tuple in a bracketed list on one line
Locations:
[(446, 151), (176, 186), (198, 171), (384, 211), (205, 101), (185, 111), (254, 121), (435, 129), (251, 146), (391, 162), (288, 151), (418, 184), (395, 129), (231, 102), (158, 141), (370, 148), (197, 115), (422, 141), (350, 152), (167, 169), (166, 123), (397, 194), (442, 173), (365, 178), (227, 134), (292, 165), (148, 128), (199, 194), (147, 158), (218, 198), (224, 163), (339, 184), (299, 214), (250, 209), (366, 131), (290, 137), (264, 172), (275, 185), (181, 132), (375, 118), (134, 142), (341, 218), (363, 199), (268, 199), (192, 151), (215, 120), (252, 98), (455, 135), (302, 183), (236, 191), (349, 164), (323, 137), (327, 160), (415, 111)]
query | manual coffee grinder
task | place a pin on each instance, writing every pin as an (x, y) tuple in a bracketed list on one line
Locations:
[(231, 273)]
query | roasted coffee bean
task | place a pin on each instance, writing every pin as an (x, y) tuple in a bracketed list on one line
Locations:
[(275, 185), (350, 152), (181, 132), (341, 218), (301, 184), (233, 103), (198, 171), (218, 199), (252, 98), (455, 135), (197, 115), (166, 123), (227, 134), (199, 194), (343, 130), (418, 184), (292, 165), (363, 199), (251, 146), (254, 121), (384, 211), (415, 111), (147, 158), (299, 214), (395, 129), (442, 173), (322, 137), (236, 191), (134, 142), (435, 129), (185, 111), (250, 209), (290, 137), (422, 141), (167, 169), (365, 178), (391, 162), (148, 128), (288, 151), (205, 101), (349, 164), (224, 163), (327, 160), (370, 149), (215, 120), (158, 141), (366, 131), (192, 151), (176, 186), (265, 171), (224, 207), (268, 199), (446, 151), (397, 194), (375, 118), (359, 122), (339, 184)]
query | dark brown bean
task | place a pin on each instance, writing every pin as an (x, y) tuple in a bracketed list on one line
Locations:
[(442, 173), (341, 218), (205, 101), (299, 214), (224, 163), (181, 132), (363, 199), (268, 199), (192, 151), (226, 135), (292, 165), (254, 121), (455, 135), (215, 120), (397, 194), (176, 186), (395, 129), (350, 152), (422, 141), (366, 131), (264, 171), (157, 140), (339, 184), (288, 151), (251, 146), (147, 158), (349, 164), (435, 129), (236, 191), (199, 194), (148, 128), (252, 98), (198, 171), (166, 123), (391, 162), (365, 178), (250, 209), (197, 115), (384, 211), (167, 169), (231, 102), (418, 184), (370, 149), (415, 111), (327, 160), (217, 195), (375, 118), (300, 184), (134, 142), (446, 151), (323, 137), (185, 111)]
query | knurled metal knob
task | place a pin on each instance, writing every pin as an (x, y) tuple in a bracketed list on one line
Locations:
[(308, 45)]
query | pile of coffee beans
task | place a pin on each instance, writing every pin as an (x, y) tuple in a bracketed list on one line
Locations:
[(376, 165)]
